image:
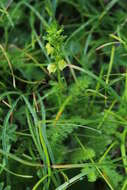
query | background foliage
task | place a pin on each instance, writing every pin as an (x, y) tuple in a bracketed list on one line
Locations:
[(63, 126)]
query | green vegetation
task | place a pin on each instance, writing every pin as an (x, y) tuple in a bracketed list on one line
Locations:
[(63, 94)]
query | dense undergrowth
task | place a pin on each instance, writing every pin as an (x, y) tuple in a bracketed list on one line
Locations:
[(63, 94)]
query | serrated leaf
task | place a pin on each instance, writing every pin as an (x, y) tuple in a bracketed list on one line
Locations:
[(80, 156)]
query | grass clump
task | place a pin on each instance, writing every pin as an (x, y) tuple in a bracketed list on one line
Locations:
[(63, 95)]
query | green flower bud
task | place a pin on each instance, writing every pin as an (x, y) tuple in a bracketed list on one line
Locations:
[(52, 68), (62, 64), (49, 48)]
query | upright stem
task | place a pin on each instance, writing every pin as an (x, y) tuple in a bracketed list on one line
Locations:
[(60, 85)]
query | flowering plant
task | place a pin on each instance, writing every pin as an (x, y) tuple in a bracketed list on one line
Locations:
[(54, 47)]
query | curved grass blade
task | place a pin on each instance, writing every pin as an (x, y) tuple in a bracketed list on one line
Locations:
[(71, 181), (15, 174), (9, 63), (108, 7), (24, 162), (39, 182)]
